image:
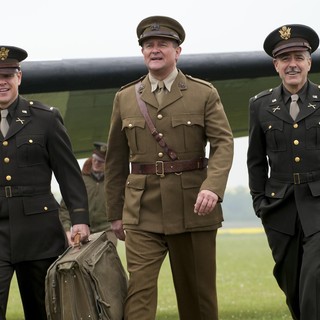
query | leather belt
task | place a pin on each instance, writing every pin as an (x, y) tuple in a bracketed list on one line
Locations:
[(296, 178), (19, 191), (160, 168)]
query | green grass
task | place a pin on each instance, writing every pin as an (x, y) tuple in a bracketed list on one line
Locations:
[(246, 287)]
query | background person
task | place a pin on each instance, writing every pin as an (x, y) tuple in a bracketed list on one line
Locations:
[(93, 176), (284, 168), (35, 145), (168, 204)]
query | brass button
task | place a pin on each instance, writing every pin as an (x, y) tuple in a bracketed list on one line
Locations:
[(5, 143), (160, 154), (270, 126), (8, 178), (296, 142), (273, 194), (30, 141), (31, 102), (6, 160), (297, 159), (295, 125), (159, 116), (130, 125), (189, 123), (160, 135), (45, 208)]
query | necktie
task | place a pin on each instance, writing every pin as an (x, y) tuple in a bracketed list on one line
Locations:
[(294, 107), (4, 125), (160, 92)]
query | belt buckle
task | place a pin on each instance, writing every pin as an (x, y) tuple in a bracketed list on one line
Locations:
[(161, 171), (8, 191), (296, 178)]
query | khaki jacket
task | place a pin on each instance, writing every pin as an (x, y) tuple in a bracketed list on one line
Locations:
[(97, 203), (191, 115)]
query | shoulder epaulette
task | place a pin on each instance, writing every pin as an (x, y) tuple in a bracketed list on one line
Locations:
[(262, 94), (209, 84), (132, 83), (39, 105)]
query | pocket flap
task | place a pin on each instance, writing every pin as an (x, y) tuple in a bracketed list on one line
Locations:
[(39, 204)]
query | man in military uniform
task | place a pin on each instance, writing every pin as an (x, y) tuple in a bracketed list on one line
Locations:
[(284, 167), (34, 143), (93, 176), (170, 201)]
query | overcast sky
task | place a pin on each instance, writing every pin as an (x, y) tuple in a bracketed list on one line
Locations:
[(53, 30)]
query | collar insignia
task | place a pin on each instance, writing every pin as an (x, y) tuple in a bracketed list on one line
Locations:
[(311, 105), (19, 120), (276, 109)]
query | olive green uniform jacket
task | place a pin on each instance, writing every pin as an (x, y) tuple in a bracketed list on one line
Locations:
[(191, 115), (96, 198)]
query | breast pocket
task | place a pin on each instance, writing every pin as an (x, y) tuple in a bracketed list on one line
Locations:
[(275, 137), (188, 132), (313, 132), (31, 150), (134, 127)]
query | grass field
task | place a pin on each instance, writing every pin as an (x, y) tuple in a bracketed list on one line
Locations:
[(246, 287)]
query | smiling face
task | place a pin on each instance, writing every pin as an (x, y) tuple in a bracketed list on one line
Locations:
[(9, 85), (160, 56), (293, 69)]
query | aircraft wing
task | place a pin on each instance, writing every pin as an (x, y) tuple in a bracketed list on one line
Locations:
[(83, 89)]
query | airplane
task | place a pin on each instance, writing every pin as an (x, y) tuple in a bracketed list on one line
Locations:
[(83, 89)]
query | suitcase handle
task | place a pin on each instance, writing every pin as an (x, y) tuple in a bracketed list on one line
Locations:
[(77, 242)]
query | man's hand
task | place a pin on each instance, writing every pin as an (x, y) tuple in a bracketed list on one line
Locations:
[(83, 230), (206, 201), (117, 228)]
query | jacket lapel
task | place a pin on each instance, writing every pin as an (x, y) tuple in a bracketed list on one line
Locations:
[(277, 107), (148, 97), (21, 119), (312, 102)]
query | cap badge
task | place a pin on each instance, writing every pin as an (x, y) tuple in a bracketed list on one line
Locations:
[(285, 33), (155, 27), (4, 53)]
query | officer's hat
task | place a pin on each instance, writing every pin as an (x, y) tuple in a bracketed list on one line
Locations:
[(10, 58), (160, 26), (100, 149), (291, 37)]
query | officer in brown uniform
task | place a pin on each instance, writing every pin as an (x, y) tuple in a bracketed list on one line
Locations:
[(34, 143), (170, 200), (284, 168)]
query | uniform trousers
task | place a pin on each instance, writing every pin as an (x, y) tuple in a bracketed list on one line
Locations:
[(192, 257), (297, 270), (31, 281)]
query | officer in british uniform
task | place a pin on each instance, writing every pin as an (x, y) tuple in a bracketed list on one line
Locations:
[(34, 143), (170, 201), (284, 167)]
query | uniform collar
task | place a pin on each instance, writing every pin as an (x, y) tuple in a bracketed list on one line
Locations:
[(302, 93), (168, 81)]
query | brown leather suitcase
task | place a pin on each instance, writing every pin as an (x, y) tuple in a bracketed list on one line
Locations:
[(87, 282)]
